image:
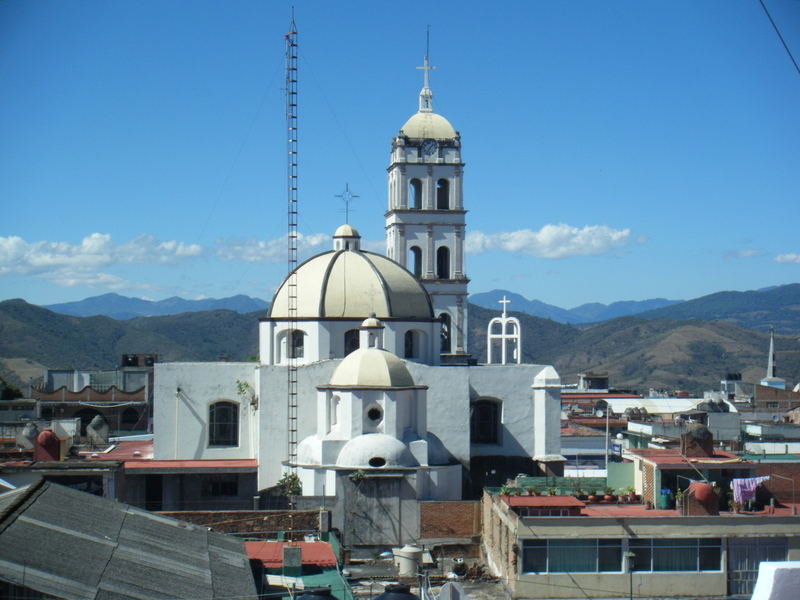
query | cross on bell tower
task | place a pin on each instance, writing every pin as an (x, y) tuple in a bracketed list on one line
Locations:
[(425, 218)]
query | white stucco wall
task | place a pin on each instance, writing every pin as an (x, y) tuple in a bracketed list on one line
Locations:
[(180, 419)]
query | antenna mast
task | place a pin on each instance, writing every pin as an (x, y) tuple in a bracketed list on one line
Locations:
[(291, 346)]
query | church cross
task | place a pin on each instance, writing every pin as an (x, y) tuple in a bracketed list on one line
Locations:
[(347, 196), (504, 301)]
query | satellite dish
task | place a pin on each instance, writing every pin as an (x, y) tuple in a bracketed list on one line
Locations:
[(599, 413)]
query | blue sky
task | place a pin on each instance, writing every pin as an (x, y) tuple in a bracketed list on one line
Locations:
[(615, 150)]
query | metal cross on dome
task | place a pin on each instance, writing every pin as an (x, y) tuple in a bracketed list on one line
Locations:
[(347, 197)]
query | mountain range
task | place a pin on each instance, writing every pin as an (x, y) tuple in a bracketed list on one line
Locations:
[(123, 307), (592, 312), (638, 353), (775, 308)]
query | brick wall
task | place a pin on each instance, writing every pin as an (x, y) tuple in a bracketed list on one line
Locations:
[(780, 488), (449, 519), (268, 522)]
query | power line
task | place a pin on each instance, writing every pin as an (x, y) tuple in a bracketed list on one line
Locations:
[(780, 37)]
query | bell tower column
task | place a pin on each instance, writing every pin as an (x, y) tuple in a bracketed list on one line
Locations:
[(425, 222)]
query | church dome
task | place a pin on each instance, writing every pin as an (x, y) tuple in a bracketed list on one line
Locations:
[(373, 450), (428, 125), (373, 368), (351, 283)]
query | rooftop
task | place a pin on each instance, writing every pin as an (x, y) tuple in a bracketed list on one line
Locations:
[(270, 554), (671, 458), (74, 545)]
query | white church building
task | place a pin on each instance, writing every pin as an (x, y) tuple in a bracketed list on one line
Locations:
[(385, 384)]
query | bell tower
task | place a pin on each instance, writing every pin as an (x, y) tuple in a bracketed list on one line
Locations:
[(425, 218)]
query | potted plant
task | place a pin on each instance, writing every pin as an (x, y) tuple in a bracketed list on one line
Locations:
[(592, 497), (609, 494), (552, 492), (530, 491), (630, 493), (580, 494), (679, 499)]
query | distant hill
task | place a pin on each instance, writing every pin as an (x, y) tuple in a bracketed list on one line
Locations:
[(62, 341), (777, 307), (585, 313), (637, 353), (122, 307)]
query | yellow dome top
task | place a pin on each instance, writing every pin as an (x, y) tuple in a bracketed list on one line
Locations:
[(373, 368), (428, 125), (352, 283)]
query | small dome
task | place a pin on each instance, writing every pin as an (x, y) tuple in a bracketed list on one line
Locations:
[(375, 450), (428, 125), (346, 231), (371, 322), (372, 368)]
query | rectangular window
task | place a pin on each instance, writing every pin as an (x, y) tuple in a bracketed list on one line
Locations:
[(678, 554), (572, 556)]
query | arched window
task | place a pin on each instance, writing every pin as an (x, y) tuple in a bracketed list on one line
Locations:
[(223, 424), (410, 345), (446, 332), (415, 261), (350, 341), (443, 262), (296, 344), (443, 194), (415, 194), (484, 422)]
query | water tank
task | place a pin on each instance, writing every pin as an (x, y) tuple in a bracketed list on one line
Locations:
[(396, 591), (320, 593), (47, 446), (408, 559)]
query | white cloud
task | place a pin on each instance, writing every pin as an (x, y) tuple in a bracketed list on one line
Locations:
[(94, 251), (274, 250), (788, 259), (71, 265), (551, 241), (749, 253)]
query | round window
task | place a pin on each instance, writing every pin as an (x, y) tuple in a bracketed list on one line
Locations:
[(377, 461), (374, 414)]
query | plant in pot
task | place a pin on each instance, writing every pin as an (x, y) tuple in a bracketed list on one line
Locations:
[(580, 494), (630, 494), (552, 492), (592, 497), (609, 494)]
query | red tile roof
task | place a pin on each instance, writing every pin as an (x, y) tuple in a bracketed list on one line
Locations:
[(126, 450), (544, 501), (270, 554)]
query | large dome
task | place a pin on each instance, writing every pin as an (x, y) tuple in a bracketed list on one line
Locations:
[(428, 125), (351, 283), (370, 367)]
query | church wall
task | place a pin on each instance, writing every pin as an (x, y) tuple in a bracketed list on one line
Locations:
[(180, 418), (448, 405), (272, 416)]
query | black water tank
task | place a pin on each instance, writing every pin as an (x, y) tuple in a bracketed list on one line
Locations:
[(396, 591)]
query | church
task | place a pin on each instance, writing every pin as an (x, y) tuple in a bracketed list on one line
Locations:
[(364, 372)]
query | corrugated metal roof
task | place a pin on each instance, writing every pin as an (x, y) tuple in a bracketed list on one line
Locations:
[(74, 545)]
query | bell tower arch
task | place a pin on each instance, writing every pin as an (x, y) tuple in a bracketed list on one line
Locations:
[(425, 218)]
